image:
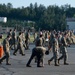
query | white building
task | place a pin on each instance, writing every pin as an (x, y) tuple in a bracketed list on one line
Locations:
[(70, 23), (3, 19)]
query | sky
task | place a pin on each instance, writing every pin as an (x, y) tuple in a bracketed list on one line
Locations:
[(25, 3)]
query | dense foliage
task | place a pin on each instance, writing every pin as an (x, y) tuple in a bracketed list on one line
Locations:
[(47, 18)]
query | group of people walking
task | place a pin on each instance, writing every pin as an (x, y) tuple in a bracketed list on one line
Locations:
[(57, 43), (15, 42)]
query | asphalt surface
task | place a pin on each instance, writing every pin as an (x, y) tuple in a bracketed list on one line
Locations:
[(18, 65)]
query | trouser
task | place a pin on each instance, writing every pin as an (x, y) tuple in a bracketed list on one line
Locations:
[(10, 43), (19, 47), (64, 56), (41, 50), (6, 56), (27, 44), (55, 57), (13, 44), (36, 53)]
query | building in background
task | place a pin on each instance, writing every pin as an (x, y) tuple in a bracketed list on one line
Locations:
[(70, 23), (3, 19), (5, 29)]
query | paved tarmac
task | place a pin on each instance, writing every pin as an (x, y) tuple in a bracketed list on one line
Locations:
[(18, 65)]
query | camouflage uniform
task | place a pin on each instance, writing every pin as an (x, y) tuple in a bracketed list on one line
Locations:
[(39, 52), (23, 39), (14, 38), (64, 50), (34, 35), (55, 48), (27, 37), (19, 45), (10, 34), (6, 49)]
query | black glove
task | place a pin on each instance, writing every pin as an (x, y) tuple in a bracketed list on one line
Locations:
[(47, 52)]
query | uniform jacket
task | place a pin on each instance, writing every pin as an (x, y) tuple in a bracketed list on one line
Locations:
[(6, 45)]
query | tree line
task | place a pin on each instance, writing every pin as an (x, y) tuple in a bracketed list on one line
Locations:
[(38, 16)]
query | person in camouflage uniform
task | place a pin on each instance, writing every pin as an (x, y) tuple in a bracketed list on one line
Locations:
[(10, 41), (6, 48), (27, 38), (64, 50), (19, 45), (39, 52), (23, 39), (55, 47), (14, 38)]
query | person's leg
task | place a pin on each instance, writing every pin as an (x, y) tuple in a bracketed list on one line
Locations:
[(32, 56), (56, 59), (42, 61), (7, 58), (65, 59), (15, 51), (60, 58), (1, 60), (49, 61), (21, 50), (39, 56)]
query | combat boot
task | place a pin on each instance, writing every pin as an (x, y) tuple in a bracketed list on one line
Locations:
[(66, 63), (8, 64), (56, 64), (23, 54), (58, 61), (0, 62), (14, 54), (49, 62), (28, 65), (39, 66)]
